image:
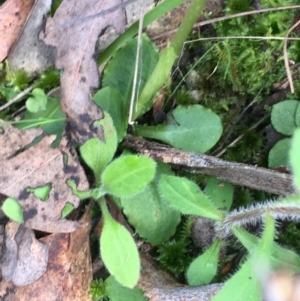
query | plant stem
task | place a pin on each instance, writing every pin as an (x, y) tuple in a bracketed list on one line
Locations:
[(104, 208), (187, 24), (167, 58)]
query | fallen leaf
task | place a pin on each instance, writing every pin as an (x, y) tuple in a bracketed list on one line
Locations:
[(13, 14), (36, 167), (28, 52), (25, 258), (75, 43), (69, 270)]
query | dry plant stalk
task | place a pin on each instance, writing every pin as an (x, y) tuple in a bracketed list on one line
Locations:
[(236, 173)]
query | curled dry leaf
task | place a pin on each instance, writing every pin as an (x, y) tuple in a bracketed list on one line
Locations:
[(13, 14), (25, 258), (36, 167), (69, 271), (75, 42), (28, 52)]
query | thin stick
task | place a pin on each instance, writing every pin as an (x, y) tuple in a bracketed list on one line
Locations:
[(236, 121), (258, 38), (286, 60), (18, 97), (247, 13), (254, 177), (137, 61), (241, 136)]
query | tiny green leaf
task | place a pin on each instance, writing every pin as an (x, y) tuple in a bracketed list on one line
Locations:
[(279, 154), (128, 175), (186, 197), (37, 102), (295, 157), (98, 154), (116, 292), (283, 116), (41, 192), (118, 250), (67, 210), (52, 120), (203, 269), (220, 193), (12, 209), (193, 128)]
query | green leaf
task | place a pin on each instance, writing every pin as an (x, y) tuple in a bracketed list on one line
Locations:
[(295, 157), (118, 250), (128, 175), (279, 153), (120, 75), (280, 256), (38, 102), (194, 128), (81, 194), (220, 193), (246, 281), (203, 269), (13, 210), (52, 120), (98, 154), (283, 116), (297, 116), (151, 216), (186, 197), (67, 210), (110, 100), (116, 292), (40, 192)]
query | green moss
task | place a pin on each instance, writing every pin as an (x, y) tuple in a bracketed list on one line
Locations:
[(49, 79), (97, 290), (289, 237), (176, 255)]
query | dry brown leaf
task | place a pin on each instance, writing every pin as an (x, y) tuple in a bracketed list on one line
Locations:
[(25, 258), (36, 167), (75, 43), (13, 14), (28, 52), (68, 275)]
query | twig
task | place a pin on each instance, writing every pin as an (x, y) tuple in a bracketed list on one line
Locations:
[(286, 60), (236, 121), (211, 21), (200, 293), (17, 97), (258, 38), (159, 285), (241, 174), (241, 136)]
